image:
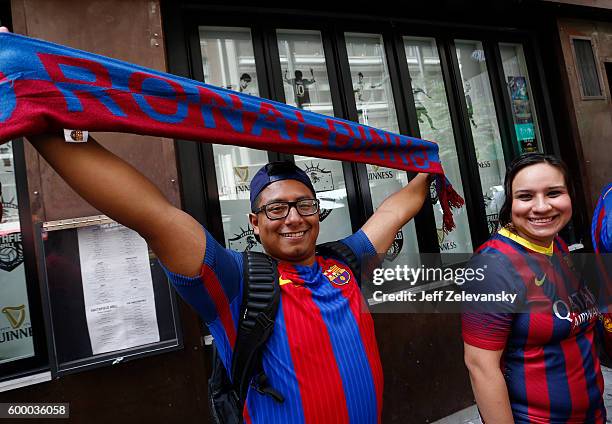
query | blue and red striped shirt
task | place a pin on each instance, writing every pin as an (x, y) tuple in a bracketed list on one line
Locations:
[(601, 228), (322, 355), (550, 361)]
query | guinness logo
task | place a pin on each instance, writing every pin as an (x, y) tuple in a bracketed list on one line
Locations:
[(15, 315), (441, 235), (375, 168), (242, 173)]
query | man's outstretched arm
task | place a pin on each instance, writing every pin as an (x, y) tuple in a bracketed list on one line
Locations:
[(121, 192), (395, 212)]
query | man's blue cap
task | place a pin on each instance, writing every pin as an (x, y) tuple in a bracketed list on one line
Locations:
[(277, 171)]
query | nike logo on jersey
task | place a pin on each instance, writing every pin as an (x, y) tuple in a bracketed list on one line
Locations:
[(540, 281), (282, 281)]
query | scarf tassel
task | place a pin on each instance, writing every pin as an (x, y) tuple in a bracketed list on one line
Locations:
[(449, 199)]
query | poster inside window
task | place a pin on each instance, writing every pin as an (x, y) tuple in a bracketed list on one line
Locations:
[(521, 98)]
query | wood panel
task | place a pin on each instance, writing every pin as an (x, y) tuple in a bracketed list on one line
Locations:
[(126, 30), (593, 117), (164, 388)]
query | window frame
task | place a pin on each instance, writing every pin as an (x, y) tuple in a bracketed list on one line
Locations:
[(332, 28), (602, 90)]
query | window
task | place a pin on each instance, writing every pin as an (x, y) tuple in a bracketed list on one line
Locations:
[(433, 115), (228, 61), (376, 107), (483, 125), (306, 86), (586, 64), (16, 341), (23, 350)]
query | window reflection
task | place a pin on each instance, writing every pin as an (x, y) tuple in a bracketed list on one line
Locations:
[(306, 85), (484, 126), (376, 107), (16, 340), (371, 84), (434, 121), (304, 70), (235, 168), (228, 61)]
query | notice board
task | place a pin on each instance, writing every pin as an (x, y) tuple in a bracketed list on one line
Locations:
[(106, 298)]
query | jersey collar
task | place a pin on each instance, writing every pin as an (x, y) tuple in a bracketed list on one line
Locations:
[(526, 243)]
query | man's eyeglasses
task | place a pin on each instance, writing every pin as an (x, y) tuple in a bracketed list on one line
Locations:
[(280, 210)]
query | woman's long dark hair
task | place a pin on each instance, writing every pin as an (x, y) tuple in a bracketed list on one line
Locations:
[(521, 162)]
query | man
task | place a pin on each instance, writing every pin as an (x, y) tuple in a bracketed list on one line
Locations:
[(300, 86), (245, 80), (322, 355), (243, 84)]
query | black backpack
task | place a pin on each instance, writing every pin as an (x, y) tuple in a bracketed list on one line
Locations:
[(260, 299)]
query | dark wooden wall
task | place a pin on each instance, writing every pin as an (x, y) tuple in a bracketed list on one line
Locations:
[(165, 388)]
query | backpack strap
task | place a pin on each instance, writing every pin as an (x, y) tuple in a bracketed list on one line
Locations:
[(260, 298), (343, 253)]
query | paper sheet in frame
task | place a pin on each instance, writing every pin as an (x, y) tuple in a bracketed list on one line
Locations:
[(117, 288)]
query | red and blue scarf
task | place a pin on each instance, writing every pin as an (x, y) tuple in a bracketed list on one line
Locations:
[(46, 87)]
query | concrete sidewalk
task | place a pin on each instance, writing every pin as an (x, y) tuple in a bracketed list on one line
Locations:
[(470, 415)]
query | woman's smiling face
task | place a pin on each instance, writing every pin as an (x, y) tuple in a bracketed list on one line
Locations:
[(541, 204)]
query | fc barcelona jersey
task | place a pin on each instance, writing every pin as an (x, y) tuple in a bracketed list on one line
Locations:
[(549, 358), (601, 228), (322, 355)]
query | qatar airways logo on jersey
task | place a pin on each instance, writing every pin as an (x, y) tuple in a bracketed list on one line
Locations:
[(578, 308)]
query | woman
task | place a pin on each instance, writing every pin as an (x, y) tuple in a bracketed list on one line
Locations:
[(533, 360)]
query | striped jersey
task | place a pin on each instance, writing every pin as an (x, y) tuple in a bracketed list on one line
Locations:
[(601, 235), (601, 228), (549, 362), (322, 355)]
